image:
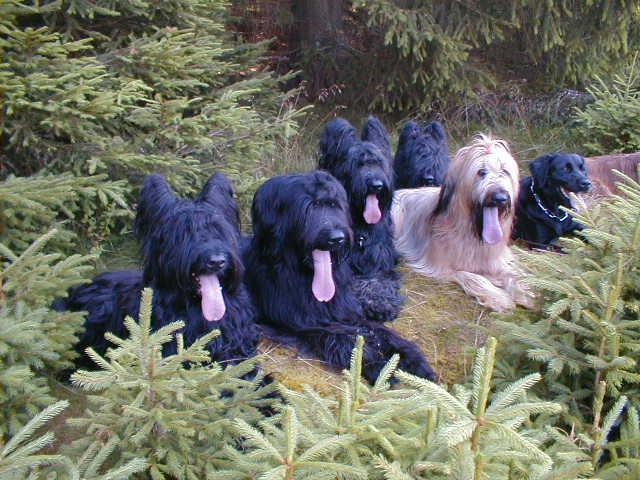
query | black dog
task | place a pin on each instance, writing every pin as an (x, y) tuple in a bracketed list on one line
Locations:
[(363, 166), (192, 262), (422, 158), (297, 274), (539, 218)]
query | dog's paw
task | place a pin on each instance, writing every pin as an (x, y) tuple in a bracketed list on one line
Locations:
[(498, 303), (526, 299)]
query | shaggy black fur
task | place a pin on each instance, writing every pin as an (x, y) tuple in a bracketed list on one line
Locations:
[(183, 242), (539, 218), (363, 166), (422, 158), (294, 218)]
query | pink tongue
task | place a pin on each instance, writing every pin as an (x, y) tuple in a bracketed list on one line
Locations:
[(322, 286), (491, 229), (372, 213), (213, 307)]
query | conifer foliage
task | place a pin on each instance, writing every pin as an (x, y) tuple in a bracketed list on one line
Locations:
[(174, 411), (33, 338), (612, 122), (415, 430), (129, 88), (586, 340), (443, 47), (20, 457)]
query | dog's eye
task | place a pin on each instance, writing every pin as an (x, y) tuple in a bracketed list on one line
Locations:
[(567, 167), (483, 172)]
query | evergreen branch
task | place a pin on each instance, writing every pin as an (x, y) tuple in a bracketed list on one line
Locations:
[(255, 438), (34, 424), (513, 392)]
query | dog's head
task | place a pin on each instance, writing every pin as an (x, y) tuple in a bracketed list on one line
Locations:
[(191, 245), (362, 166), (482, 183), (566, 172), (304, 217), (422, 158)]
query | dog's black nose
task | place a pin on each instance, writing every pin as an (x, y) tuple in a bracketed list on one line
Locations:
[(216, 262), (429, 180), (500, 198), (376, 185), (585, 185), (336, 239)]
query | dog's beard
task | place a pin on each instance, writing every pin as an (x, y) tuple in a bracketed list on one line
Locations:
[(322, 286), (213, 306)]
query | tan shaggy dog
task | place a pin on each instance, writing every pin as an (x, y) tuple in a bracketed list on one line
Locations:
[(460, 232)]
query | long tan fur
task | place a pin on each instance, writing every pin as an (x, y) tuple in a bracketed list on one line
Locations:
[(436, 233)]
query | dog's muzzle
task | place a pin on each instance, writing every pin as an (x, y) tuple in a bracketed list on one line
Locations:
[(429, 180), (331, 240), (499, 199)]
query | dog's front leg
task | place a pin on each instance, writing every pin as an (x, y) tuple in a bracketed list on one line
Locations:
[(488, 294)]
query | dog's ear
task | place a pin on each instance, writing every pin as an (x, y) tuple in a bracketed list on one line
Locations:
[(155, 200), (373, 131), (218, 192), (336, 140), (446, 195), (540, 169), (217, 188), (238, 270), (436, 131), (268, 216)]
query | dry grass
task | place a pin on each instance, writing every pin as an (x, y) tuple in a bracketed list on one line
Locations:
[(439, 317)]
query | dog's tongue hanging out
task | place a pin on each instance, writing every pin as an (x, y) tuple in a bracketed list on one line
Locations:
[(213, 306), (491, 229), (372, 213), (322, 286)]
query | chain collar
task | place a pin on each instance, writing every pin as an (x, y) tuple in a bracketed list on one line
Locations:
[(360, 240), (542, 207)]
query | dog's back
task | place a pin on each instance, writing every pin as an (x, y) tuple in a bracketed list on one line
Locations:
[(601, 170), (410, 208), (108, 299)]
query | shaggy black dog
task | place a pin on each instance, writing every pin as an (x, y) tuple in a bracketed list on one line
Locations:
[(363, 166), (422, 158), (302, 286), (539, 218), (191, 260)]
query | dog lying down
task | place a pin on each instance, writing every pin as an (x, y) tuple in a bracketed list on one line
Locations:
[(540, 220), (460, 232), (301, 282)]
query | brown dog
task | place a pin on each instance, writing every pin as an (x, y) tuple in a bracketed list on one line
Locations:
[(601, 174)]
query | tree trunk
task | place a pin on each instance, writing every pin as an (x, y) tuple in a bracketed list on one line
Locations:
[(318, 21)]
